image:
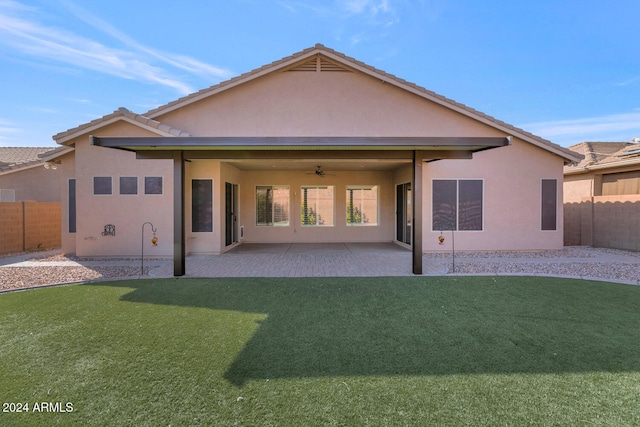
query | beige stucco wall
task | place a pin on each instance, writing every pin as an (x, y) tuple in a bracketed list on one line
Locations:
[(67, 171), (512, 199), (321, 104), (578, 186), (33, 183), (311, 104), (126, 212)]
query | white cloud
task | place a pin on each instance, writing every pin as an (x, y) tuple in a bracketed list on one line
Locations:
[(135, 61), (613, 127), (356, 6)]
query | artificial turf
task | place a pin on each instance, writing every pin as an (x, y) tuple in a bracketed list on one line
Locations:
[(323, 351)]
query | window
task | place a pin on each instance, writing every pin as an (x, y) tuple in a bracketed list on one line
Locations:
[(101, 185), (457, 204), (616, 184), (128, 185), (549, 204), (201, 205), (153, 185), (362, 205), (272, 205), (72, 205), (317, 206)]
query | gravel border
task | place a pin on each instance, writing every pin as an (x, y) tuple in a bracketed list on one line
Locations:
[(578, 262)]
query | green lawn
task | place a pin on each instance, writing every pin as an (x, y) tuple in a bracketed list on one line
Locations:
[(324, 351)]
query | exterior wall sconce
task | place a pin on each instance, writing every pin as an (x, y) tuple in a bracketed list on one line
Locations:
[(53, 165)]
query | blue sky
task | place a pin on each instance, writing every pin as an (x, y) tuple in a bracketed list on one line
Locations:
[(566, 70)]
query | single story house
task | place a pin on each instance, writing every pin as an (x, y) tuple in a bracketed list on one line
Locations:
[(602, 196), (30, 173), (315, 147)]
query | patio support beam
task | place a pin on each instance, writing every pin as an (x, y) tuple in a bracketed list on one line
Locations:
[(178, 214), (416, 207)]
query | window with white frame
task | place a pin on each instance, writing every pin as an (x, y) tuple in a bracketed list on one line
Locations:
[(317, 206), (362, 205), (272, 205), (457, 204)]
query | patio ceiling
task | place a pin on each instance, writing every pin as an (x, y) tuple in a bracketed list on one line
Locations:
[(328, 165)]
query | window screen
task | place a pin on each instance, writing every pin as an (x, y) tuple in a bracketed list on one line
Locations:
[(549, 204), (202, 205), (72, 206), (128, 185), (102, 185), (457, 204), (153, 185)]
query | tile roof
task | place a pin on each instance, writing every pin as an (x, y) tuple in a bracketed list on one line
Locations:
[(120, 114), (604, 154), (16, 156)]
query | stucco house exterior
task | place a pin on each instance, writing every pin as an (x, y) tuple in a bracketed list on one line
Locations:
[(602, 196), (30, 173), (315, 147)]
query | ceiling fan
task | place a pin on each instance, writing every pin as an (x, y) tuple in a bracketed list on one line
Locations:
[(318, 171)]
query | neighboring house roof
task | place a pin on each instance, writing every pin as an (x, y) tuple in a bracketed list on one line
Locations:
[(604, 155), (339, 60), (14, 158), (121, 114)]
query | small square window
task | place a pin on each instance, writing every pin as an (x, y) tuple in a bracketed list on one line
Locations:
[(152, 185), (128, 185), (102, 185)]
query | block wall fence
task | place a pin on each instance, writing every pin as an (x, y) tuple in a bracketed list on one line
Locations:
[(604, 222), (28, 226)]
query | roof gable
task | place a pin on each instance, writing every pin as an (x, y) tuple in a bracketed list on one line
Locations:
[(321, 58), (121, 114)]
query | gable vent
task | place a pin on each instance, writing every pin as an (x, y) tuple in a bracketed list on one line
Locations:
[(319, 64)]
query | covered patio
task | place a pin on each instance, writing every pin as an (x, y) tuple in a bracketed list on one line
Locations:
[(307, 260), (412, 151)]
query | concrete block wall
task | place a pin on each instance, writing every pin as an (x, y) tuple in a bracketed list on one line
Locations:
[(572, 224), (11, 228), (604, 222), (26, 226), (616, 222)]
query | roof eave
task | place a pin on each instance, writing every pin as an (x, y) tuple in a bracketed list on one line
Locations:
[(301, 143), (603, 166)]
